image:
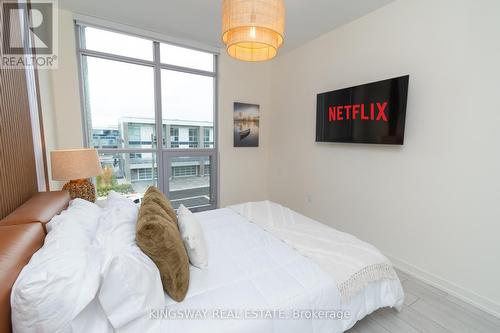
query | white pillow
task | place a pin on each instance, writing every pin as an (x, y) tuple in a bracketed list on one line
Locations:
[(117, 223), (63, 277), (89, 264), (131, 284), (192, 236), (131, 287), (83, 212)]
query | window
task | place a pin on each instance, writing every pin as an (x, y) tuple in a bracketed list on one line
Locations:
[(116, 43), (125, 79), (206, 170), (113, 102), (102, 138), (138, 135), (136, 156), (174, 137), (184, 171), (125, 173), (191, 174), (187, 100), (142, 174), (207, 138), (134, 132), (180, 56), (193, 138)]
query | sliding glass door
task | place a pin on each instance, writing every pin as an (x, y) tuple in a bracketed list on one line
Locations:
[(136, 90)]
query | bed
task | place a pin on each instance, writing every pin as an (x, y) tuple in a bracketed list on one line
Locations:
[(256, 281), (253, 269)]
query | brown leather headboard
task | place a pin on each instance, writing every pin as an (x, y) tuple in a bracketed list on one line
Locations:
[(17, 245), (42, 207), (22, 233)]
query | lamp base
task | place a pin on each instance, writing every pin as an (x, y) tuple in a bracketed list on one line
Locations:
[(81, 188)]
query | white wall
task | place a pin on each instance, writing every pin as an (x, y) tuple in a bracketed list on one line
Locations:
[(65, 84), (432, 204), (60, 97), (243, 171)]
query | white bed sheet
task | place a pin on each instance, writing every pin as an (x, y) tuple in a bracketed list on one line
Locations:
[(251, 269)]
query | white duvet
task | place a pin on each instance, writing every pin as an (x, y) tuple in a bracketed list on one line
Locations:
[(350, 261), (250, 269)]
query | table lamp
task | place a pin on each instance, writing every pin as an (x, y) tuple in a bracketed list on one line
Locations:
[(76, 166)]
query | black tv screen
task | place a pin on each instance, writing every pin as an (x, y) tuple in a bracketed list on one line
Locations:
[(369, 113)]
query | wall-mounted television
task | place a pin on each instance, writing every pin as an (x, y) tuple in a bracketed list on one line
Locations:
[(369, 113)]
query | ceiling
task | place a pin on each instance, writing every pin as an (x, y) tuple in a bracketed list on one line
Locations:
[(200, 20)]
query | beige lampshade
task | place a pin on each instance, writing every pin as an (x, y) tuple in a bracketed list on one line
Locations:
[(253, 30), (75, 164)]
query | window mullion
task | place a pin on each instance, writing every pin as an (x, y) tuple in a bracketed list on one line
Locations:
[(187, 70), (162, 172), (115, 57)]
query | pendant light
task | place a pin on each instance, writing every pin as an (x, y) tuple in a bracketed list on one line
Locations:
[(252, 30)]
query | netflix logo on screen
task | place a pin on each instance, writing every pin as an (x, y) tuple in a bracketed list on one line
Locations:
[(370, 113), (374, 111)]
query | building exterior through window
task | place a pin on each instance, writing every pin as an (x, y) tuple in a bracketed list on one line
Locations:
[(129, 84), (140, 135)]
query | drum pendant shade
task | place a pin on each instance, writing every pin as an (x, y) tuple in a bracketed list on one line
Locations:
[(253, 29)]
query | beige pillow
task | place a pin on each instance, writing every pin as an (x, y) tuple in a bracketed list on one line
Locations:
[(155, 195), (158, 237)]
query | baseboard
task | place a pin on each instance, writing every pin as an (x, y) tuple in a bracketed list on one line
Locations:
[(465, 295)]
